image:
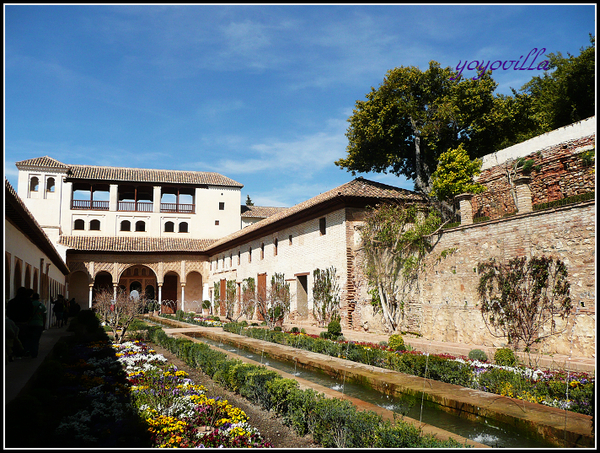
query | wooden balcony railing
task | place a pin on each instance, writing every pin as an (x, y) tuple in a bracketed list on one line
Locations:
[(139, 206), (178, 207), (90, 204)]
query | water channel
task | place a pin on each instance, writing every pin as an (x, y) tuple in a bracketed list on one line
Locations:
[(487, 432)]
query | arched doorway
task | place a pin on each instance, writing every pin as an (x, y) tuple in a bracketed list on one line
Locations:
[(193, 292), (141, 278), (79, 288), (102, 283), (170, 293)]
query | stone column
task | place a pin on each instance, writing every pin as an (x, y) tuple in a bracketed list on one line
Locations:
[(156, 200), (466, 210), (91, 292), (113, 198), (524, 203), (183, 296)]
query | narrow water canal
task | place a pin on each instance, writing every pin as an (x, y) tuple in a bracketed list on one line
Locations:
[(487, 432)]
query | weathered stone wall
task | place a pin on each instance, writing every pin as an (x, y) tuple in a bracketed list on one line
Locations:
[(447, 307)]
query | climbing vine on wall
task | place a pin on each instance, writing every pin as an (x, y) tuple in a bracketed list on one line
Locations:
[(522, 300)]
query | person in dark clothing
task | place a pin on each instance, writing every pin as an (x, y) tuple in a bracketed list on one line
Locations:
[(36, 325), (59, 310), (20, 310)]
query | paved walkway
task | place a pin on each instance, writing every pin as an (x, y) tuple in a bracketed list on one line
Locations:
[(19, 372)]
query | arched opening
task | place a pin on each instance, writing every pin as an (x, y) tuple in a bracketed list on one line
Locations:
[(170, 293), (183, 227), (95, 225), (125, 225), (193, 292), (35, 284), (79, 224), (140, 225), (141, 278), (17, 277), (6, 276), (27, 283), (169, 227), (102, 282), (34, 184), (79, 288), (50, 185)]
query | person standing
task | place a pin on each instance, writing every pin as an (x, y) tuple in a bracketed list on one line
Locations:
[(36, 325), (59, 310), (20, 310)]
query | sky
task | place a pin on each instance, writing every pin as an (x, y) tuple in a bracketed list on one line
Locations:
[(258, 93)]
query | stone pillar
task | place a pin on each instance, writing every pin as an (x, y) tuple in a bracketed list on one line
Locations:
[(113, 197), (183, 296), (91, 292), (160, 297), (156, 200), (466, 210), (115, 286), (524, 203)]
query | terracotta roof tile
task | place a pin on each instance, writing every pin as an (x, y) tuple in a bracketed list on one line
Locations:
[(132, 174), (46, 162), (128, 244), (260, 211), (357, 188)]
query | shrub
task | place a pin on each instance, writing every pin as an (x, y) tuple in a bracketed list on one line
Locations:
[(505, 357), (478, 354), (277, 329), (295, 330), (396, 343), (334, 329)]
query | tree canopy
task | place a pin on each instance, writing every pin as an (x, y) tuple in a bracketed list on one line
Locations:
[(415, 116), (412, 118)]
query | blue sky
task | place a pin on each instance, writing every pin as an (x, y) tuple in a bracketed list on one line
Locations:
[(258, 93)]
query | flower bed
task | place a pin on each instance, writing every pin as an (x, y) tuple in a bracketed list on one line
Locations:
[(179, 413), (194, 318), (569, 391)]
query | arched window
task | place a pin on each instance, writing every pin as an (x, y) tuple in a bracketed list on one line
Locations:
[(95, 225), (140, 225), (50, 184), (125, 225), (183, 227), (34, 184), (169, 227), (79, 224)]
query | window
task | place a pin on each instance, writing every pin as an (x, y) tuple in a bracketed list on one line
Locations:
[(239, 257), (140, 225), (95, 225), (250, 255), (50, 184), (290, 239), (34, 184), (276, 244), (262, 251), (216, 222), (79, 225), (125, 225), (322, 226), (183, 227), (169, 227), (221, 206)]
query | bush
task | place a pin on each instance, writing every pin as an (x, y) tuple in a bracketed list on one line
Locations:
[(295, 330), (277, 329), (396, 343), (505, 357), (478, 354)]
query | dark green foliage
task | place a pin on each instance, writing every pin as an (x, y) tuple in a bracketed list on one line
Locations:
[(478, 354), (505, 357)]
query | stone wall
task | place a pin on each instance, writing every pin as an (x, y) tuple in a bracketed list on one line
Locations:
[(447, 306)]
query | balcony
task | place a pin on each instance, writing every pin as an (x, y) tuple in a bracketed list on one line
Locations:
[(137, 206), (178, 207), (90, 204)]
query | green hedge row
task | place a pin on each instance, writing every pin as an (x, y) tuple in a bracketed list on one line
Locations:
[(332, 422), (417, 364)]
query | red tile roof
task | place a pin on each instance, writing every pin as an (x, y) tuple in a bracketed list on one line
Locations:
[(128, 244)]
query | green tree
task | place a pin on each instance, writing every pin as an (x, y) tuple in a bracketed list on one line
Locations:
[(523, 299), (326, 294), (412, 118), (566, 93), (248, 298), (454, 175), (395, 240), (230, 290), (249, 201)]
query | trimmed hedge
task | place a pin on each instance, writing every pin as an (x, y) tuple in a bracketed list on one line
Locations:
[(332, 422)]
